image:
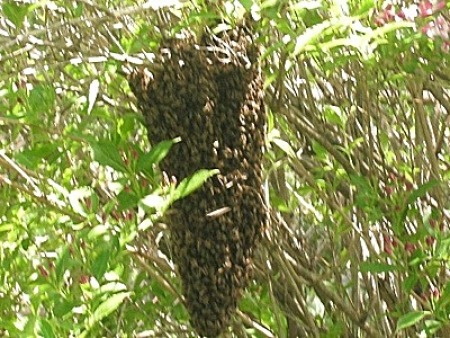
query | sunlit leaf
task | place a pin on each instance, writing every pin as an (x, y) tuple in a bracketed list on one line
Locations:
[(77, 200), (192, 183), (112, 287), (126, 125), (153, 201), (98, 231), (107, 307), (156, 154), (311, 34), (269, 3), (285, 146), (364, 6), (334, 115)]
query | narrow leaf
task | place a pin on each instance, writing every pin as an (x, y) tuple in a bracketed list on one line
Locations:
[(410, 319), (421, 191), (156, 154), (286, 147), (311, 34), (377, 267), (192, 183), (417, 193), (98, 231), (104, 310)]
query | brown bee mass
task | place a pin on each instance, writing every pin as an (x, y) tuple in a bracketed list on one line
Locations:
[(211, 95)]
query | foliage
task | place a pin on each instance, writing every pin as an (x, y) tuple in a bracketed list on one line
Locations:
[(357, 167)]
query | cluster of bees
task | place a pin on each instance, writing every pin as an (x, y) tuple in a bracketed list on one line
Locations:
[(210, 93)]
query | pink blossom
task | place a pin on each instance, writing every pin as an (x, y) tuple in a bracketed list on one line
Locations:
[(428, 29), (425, 8), (388, 13), (440, 5), (442, 27), (401, 14)]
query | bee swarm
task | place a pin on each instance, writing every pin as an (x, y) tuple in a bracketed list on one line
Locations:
[(211, 95)]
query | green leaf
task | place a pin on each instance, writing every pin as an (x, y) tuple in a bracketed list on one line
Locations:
[(416, 194), (269, 3), (153, 201), (432, 326), (107, 154), (62, 264), (320, 151), (364, 7), (15, 13), (410, 282), (362, 183), (379, 33), (29, 329), (312, 34), (410, 319), (105, 309), (98, 231), (306, 5), (278, 203), (126, 125), (155, 155), (77, 199), (421, 191), (33, 157), (46, 329), (100, 264), (334, 115), (41, 99), (127, 200), (377, 267), (285, 146), (247, 4), (62, 307), (444, 300), (112, 287), (192, 183)]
